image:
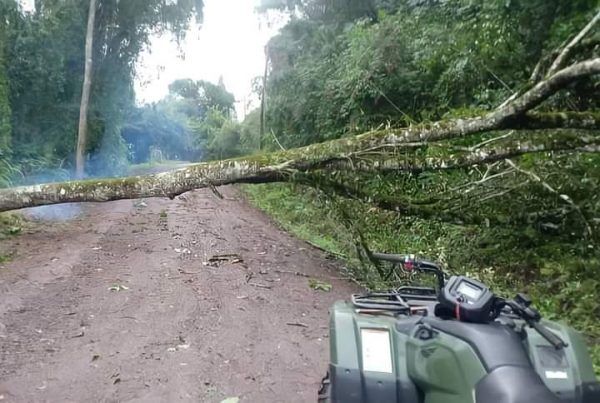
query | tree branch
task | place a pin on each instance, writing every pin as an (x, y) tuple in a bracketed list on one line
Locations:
[(563, 197), (167, 184), (559, 59), (557, 120), (508, 116), (544, 89), (404, 207), (437, 156), (566, 51)]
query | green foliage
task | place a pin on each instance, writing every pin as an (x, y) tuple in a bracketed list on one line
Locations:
[(251, 132), (208, 118), (329, 11), (319, 285), (217, 136), (195, 121), (161, 127), (200, 96), (32, 168), (314, 222), (336, 73), (46, 53), (5, 110), (207, 128), (6, 168), (10, 225)]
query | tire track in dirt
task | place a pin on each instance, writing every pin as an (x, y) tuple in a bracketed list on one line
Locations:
[(178, 329)]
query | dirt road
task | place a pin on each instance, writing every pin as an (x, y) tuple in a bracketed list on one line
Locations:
[(123, 304)]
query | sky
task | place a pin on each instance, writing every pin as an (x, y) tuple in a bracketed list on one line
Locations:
[(229, 44)]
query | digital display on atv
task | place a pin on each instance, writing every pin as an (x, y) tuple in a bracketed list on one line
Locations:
[(469, 300), (470, 291)]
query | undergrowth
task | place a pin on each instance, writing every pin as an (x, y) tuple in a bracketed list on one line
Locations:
[(10, 225), (561, 278)]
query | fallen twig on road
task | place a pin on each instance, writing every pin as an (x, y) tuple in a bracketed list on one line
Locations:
[(297, 324), (233, 257), (268, 287), (335, 254), (296, 273)]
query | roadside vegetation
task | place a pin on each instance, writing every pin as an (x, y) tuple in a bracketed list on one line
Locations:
[(11, 225)]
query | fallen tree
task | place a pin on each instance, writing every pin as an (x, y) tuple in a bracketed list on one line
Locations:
[(417, 148), (284, 166)]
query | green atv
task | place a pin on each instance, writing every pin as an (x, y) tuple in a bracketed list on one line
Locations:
[(452, 341)]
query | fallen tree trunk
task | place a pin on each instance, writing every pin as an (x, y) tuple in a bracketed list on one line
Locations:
[(283, 166), (167, 184)]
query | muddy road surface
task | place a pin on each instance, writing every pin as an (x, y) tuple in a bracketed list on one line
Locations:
[(123, 304)]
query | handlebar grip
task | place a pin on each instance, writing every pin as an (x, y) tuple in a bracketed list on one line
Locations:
[(388, 257), (403, 259)]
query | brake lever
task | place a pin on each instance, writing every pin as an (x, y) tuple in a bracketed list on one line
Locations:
[(521, 307), (553, 339)]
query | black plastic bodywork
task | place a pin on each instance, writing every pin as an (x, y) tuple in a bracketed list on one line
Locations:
[(513, 384), (353, 387)]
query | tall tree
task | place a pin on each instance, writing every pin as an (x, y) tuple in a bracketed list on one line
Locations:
[(263, 100), (7, 11), (85, 93)]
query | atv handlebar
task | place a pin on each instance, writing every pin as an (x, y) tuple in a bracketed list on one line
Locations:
[(405, 259), (389, 257), (410, 263)]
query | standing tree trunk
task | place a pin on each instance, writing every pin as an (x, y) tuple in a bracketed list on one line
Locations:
[(263, 101), (85, 93)]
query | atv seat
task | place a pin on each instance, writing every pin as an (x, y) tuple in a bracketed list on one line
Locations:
[(494, 343), (510, 384)]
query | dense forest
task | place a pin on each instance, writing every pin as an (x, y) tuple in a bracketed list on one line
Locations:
[(340, 68)]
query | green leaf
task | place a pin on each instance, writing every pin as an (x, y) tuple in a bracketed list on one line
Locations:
[(118, 287), (14, 230), (319, 285)]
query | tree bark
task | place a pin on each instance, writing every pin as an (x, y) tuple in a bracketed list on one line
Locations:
[(85, 94), (567, 120)]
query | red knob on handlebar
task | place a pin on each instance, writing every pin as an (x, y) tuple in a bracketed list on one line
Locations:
[(410, 262)]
